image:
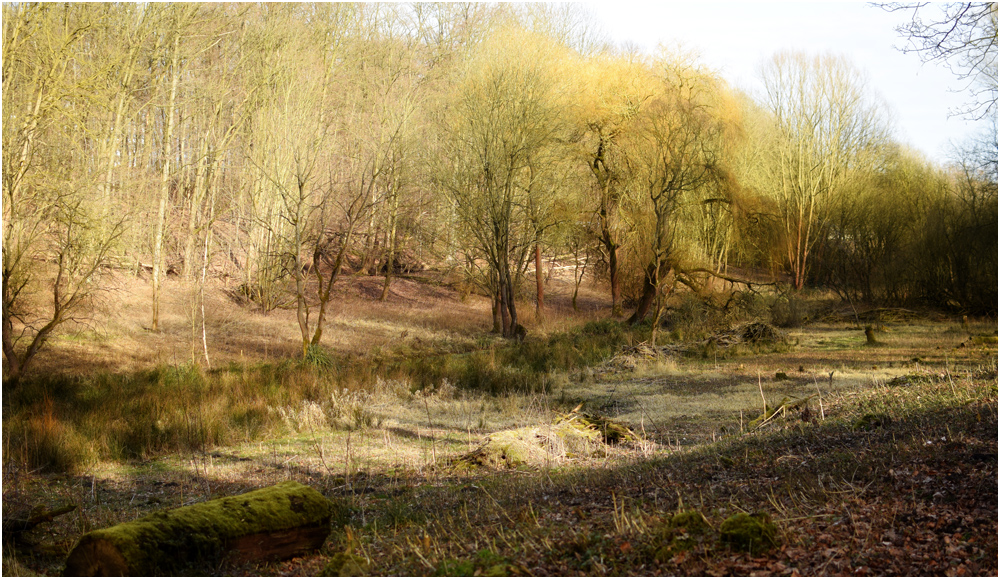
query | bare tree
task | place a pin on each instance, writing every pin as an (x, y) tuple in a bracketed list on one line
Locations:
[(962, 36), (56, 237), (826, 127), (504, 115)]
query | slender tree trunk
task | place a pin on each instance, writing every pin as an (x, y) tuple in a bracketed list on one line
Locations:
[(204, 269), (116, 129), (197, 196), (201, 298), (512, 324), (658, 303), (600, 170), (497, 318), (161, 216), (390, 243), (301, 305), (326, 289), (612, 248), (508, 314), (539, 283), (616, 287)]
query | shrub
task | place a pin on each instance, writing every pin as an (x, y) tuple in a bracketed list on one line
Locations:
[(789, 311)]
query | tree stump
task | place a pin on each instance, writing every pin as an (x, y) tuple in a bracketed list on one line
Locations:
[(870, 339), (271, 523)]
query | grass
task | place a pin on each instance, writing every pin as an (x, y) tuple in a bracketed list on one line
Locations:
[(66, 423), (844, 483), (617, 520)]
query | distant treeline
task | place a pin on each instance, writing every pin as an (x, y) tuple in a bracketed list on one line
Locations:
[(277, 144)]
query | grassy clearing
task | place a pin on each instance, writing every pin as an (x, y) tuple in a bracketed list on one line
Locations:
[(888, 472), (67, 423), (913, 492)]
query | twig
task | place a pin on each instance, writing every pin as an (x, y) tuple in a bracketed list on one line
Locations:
[(822, 414), (950, 379), (430, 427), (761, 387), (14, 528)]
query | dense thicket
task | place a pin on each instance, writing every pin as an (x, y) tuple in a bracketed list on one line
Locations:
[(280, 145)]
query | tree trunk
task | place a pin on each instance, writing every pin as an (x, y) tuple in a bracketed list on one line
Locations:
[(161, 216), (198, 192), (612, 249), (390, 259), (616, 288), (648, 295), (325, 288), (271, 523), (497, 321), (539, 283)]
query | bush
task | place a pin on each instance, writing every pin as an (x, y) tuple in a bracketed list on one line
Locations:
[(789, 311)]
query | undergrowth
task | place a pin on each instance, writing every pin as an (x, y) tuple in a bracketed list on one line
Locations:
[(915, 494), (64, 423)]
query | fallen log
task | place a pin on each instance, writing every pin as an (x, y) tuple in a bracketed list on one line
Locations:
[(267, 524)]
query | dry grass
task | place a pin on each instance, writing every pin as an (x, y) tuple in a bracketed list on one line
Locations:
[(375, 428), (116, 337)]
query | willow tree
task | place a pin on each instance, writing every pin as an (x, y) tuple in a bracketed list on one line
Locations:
[(678, 150), (826, 130), (616, 88), (503, 115)]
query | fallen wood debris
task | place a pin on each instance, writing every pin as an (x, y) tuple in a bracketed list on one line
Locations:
[(13, 529)]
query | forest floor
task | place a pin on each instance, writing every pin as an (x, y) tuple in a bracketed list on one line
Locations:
[(881, 460)]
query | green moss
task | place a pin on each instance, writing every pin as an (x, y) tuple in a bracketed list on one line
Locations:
[(455, 568), (346, 565), (692, 521), (872, 422), (752, 533), (486, 563), (681, 532), (165, 539), (533, 446)]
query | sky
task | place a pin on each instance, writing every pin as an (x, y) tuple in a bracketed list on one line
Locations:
[(735, 38)]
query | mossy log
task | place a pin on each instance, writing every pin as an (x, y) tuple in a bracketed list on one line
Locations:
[(267, 524)]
